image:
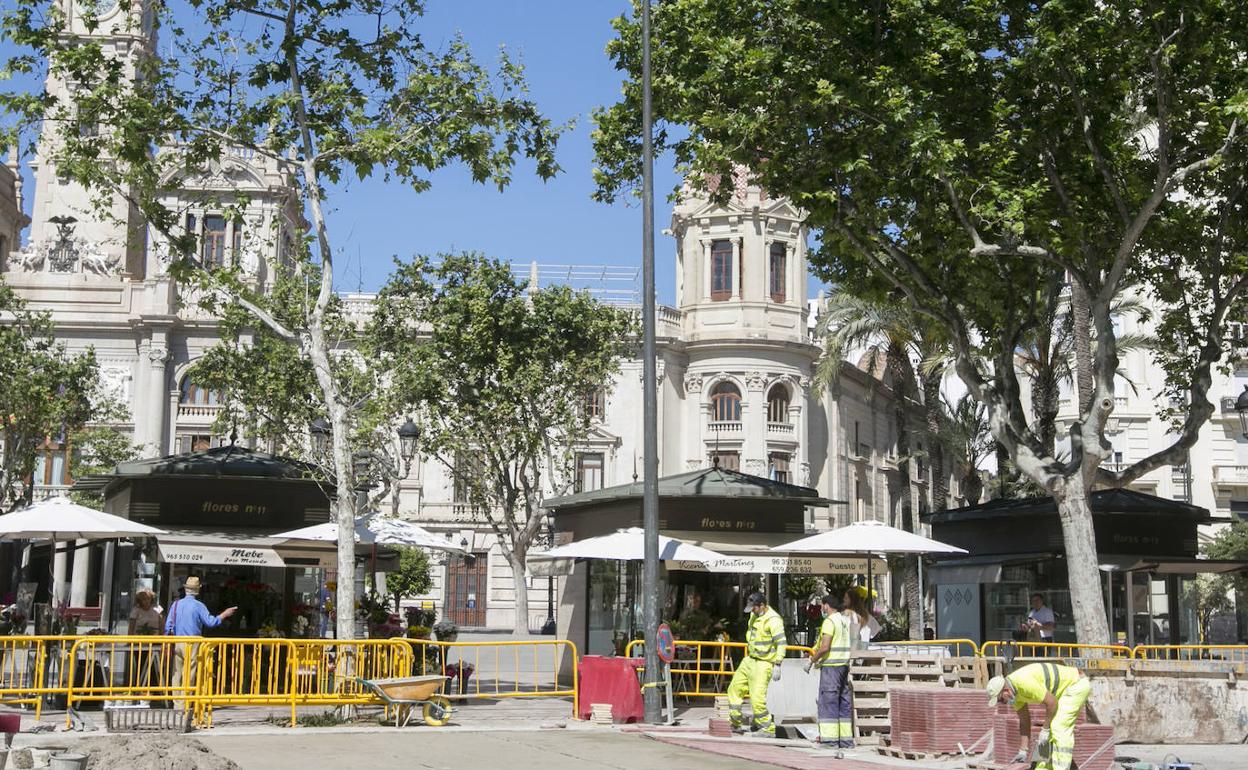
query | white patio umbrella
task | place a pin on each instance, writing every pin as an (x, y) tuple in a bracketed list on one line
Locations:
[(374, 529), (59, 518), (867, 538), (629, 545)]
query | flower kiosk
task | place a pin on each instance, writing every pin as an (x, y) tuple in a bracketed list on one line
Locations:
[(220, 508)]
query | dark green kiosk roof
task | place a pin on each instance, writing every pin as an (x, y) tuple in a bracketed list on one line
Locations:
[(702, 484), (221, 462)]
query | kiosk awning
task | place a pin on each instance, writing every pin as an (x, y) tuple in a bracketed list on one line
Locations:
[(751, 552), (241, 547)]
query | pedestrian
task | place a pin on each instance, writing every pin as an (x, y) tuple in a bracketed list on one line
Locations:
[(862, 627), (145, 620), (1040, 620), (1063, 690), (764, 649), (189, 617), (831, 657)]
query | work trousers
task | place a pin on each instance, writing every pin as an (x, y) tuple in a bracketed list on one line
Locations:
[(836, 707), (752, 679), (1062, 728)]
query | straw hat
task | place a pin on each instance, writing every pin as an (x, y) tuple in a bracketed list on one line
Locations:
[(192, 583)]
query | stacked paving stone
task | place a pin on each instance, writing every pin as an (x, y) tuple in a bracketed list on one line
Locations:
[(1089, 738), (935, 719), (600, 714)]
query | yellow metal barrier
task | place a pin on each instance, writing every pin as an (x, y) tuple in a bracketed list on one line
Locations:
[(957, 647), (142, 668), (706, 666), (996, 649), (1235, 653), (294, 672), (506, 669), (32, 667)]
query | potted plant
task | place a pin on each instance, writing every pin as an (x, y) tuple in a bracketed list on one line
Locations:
[(445, 630)]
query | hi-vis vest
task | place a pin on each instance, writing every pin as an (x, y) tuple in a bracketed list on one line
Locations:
[(764, 638), (836, 628), (1032, 681)]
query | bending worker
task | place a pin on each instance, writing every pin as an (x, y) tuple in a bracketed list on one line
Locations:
[(764, 649), (831, 656), (1063, 690)]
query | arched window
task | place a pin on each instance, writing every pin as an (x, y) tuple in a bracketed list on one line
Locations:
[(725, 403), (198, 395), (778, 404), (778, 257)]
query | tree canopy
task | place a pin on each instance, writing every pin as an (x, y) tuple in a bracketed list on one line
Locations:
[(967, 156), (497, 373)]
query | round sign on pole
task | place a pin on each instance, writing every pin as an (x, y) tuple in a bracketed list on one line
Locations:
[(665, 643)]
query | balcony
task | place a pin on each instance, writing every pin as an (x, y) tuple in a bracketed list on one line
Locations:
[(205, 413), (724, 427), (41, 493), (1230, 479), (781, 430)]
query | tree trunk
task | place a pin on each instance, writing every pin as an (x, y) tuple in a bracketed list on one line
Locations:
[(903, 381), (1086, 599), (939, 500), (1081, 319), (521, 624)]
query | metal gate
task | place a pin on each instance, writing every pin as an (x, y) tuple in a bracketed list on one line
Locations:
[(466, 582)]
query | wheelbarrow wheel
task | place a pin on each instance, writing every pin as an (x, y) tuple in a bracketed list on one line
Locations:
[(437, 711)]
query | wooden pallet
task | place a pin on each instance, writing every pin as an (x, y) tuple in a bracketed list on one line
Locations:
[(873, 674)]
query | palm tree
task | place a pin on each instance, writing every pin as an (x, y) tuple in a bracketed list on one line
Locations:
[(894, 334)]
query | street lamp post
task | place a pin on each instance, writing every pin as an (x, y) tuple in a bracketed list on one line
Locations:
[(1241, 406), (650, 403)]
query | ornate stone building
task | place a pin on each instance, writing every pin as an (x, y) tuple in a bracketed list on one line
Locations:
[(737, 352)]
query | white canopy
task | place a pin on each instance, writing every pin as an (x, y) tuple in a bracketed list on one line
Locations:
[(374, 529), (867, 537), (59, 518), (629, 545)]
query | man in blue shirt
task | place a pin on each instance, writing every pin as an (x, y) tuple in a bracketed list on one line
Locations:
[(189, 617)]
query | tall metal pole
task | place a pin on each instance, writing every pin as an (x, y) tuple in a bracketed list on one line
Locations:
[(650, 399)]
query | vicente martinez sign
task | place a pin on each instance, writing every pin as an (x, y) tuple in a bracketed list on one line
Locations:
[(783, 565)]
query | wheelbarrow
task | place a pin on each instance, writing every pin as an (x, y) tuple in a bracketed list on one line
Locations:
[(405, 692)]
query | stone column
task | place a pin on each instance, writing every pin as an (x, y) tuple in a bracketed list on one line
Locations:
[(754, 425), (149, 418), (699, 413), (82, 573)]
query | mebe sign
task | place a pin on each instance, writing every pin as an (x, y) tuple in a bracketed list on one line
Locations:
[(781, 565), (176, 553)]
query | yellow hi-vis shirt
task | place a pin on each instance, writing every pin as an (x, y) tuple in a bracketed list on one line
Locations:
[(764, 637), (836, 628), (1033, 680)]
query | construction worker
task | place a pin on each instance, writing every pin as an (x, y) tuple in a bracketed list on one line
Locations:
[(1063, 690), (764, 649), (831, 656)]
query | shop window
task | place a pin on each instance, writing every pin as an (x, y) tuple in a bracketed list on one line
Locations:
[(197, 395), (590, 469), (725, 403), (721, 270), (778, 404), (729, 461), (596, 404), (778, 468), (777, 261), (212, 248)]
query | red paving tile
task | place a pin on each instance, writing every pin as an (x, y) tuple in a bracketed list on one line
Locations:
[(777, 755)]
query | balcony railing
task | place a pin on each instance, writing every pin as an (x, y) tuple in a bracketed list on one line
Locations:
[(1233, 474), (780, 429), (724, 426), (205, 412), (41, 493)]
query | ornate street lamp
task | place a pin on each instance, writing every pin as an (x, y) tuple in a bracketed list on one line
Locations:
[(409, 435), (319, 430), (1241, 406)]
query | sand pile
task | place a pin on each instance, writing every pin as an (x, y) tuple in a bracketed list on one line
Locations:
[(151, 752)]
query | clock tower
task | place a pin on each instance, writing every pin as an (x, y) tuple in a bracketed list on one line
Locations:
[(69, 232)]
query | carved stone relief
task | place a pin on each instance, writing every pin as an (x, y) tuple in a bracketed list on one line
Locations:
[(693, 383)]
